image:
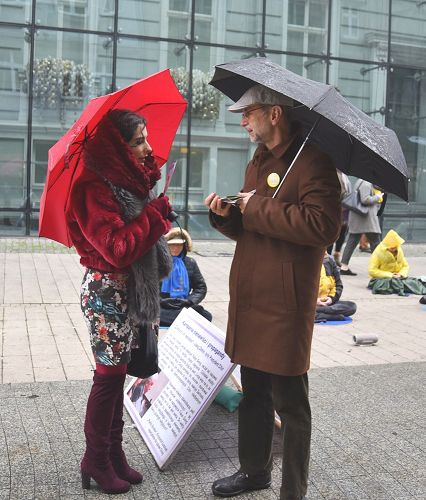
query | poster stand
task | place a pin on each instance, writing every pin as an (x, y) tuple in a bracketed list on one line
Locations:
[(193, 368)]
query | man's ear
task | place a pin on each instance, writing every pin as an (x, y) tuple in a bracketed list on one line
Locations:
[(276, 114)]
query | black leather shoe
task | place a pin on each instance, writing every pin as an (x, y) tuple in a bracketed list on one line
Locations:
[(347, 272), (239, 483)]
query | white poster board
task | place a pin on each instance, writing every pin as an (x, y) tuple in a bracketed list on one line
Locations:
[(193, 368)]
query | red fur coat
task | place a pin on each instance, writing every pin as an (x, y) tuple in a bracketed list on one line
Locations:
[(101, 237)]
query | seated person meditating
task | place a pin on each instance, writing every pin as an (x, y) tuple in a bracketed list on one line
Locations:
[(388, 269), (388, 260), (185, 286), (329, 305)]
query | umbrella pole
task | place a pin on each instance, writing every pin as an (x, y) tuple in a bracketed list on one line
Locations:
[(295, 157)]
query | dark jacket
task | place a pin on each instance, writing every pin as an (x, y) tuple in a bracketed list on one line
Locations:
[(275, 272), (332, 269)]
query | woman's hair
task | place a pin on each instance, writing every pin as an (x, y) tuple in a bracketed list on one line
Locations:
[(126, 122)]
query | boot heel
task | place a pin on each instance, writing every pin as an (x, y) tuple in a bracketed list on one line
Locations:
[(85, 481)]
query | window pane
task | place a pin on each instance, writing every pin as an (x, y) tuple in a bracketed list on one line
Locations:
[(199, 227), (231, 166), (411, 229), (141, 17), (76, 14), (179, 5), (15, 11), (360, 29), (12, 223), (233, 22), (307, 18), (158, 56), (40, 152), (309, 67), (69, 69), (12, 173), (176, 192), (13, 76), (13, 116), (363, 85), (318, 14), (178, 27), (296, 12), (295, 41), (407, 103), (203, 7), (408, 39)]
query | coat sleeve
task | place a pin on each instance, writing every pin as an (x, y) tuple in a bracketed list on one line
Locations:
[(313, 221), (230, 226), (196, 282), (98, 215), (365, 196), (405, 267)]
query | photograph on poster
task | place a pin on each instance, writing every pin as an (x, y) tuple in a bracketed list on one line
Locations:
[(144, 391), (193, 368)]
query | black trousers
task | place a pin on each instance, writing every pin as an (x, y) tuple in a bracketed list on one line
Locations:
[(264, 392)]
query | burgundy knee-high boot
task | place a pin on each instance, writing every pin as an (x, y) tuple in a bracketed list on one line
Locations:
[(96, 462), (117, 456)]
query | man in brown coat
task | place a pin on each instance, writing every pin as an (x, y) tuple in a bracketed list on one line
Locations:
[(273, 288)]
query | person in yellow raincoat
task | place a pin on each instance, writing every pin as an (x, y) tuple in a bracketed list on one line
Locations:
[(388, 260), (388, 269)]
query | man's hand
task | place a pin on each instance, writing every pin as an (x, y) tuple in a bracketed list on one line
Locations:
[(244, 198), (214, 203)]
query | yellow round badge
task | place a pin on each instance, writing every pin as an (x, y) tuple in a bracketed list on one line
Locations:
[(273, 180)]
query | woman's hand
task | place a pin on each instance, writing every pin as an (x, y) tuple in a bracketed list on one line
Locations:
[(214, 203), (162, 205)]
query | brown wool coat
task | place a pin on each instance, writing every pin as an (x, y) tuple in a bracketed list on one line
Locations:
[(275, 272)]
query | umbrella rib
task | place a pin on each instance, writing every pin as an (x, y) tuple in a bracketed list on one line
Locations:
[(296, 156), (323, 97)]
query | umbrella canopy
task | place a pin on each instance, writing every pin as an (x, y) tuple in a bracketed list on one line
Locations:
[(357, 144), (155, 97)]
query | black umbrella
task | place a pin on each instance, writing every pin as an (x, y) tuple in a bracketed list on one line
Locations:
[(358, 145)]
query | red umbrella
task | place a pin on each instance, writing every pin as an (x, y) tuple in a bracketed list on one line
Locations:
[(155, 97)]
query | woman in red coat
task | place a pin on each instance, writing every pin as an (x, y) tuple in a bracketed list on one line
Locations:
[(116, 225)]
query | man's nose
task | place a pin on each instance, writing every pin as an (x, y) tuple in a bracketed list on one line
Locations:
[(148, 147)]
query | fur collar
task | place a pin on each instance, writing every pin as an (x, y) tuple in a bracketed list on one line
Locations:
[(107, 154)]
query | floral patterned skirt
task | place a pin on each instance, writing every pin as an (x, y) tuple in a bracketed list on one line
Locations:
[(103, 301)]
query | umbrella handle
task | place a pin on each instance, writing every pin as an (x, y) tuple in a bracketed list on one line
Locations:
[(295, 157), (172, 216)]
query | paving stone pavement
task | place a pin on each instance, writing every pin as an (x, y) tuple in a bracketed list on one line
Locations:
[(369, 441), (369, 438)]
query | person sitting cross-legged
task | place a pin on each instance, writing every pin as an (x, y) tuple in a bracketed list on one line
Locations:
[(388, 269), (329, 306), (388, 259)]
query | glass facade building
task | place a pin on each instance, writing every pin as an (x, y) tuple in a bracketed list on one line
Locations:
[(57, 54)]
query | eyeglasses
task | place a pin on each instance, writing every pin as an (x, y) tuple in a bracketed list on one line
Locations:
[(246, 114)]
